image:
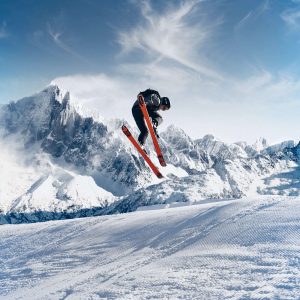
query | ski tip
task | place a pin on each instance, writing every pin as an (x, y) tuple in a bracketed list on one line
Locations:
[(162, 161), (159, 175), (125, 130)]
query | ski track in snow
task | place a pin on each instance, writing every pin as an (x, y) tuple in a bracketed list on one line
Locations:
[(235, 249)]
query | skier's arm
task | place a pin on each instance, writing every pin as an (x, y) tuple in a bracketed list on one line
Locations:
[(157, 121), (156, 118)]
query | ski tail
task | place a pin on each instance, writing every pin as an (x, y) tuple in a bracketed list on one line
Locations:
[(152, 133), (141, 151)]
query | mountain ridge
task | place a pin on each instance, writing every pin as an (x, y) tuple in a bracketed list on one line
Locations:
[(70, 143)]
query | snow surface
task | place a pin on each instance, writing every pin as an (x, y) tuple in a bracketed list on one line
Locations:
[(234, 249)]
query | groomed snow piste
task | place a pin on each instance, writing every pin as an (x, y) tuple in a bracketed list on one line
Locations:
[(234, 249)]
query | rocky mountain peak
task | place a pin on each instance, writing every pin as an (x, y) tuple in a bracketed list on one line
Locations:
[(51, 123), (260, 144)]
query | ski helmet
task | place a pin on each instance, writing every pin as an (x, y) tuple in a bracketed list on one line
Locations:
[(165, 101)]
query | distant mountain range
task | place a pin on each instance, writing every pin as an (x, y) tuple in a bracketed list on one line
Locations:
[(60, 161)]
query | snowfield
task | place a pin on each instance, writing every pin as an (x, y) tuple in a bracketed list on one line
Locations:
[(175, 242), (235, 249)]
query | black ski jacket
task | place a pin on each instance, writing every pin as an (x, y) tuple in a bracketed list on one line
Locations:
[(152, 100)]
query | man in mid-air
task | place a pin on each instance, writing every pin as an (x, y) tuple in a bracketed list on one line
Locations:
[(154, 103)]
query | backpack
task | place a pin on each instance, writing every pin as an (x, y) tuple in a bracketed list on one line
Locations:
[(151, 97)]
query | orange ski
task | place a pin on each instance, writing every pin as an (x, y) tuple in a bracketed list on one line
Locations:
[(141, 151), (153, 135)]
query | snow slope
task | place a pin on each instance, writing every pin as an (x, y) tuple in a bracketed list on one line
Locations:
[(234, 249), (31, 182)]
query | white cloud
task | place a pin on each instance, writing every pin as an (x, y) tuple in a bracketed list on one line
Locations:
[(232, 108), (112, 97), (292, 18), (170, 35)]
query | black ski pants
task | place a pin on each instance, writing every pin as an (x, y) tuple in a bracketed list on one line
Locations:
[(141, 124)]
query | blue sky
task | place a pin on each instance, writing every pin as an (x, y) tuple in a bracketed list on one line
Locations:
[(230, 67)]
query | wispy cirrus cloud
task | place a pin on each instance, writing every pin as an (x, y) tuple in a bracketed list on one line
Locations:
[(56, 37), (253, 14), (3, 30), (172, 43), (243, 21), (265, 6), (171, 35), (292, 18)]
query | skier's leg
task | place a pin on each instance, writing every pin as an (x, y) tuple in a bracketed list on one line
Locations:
[(140, 122)]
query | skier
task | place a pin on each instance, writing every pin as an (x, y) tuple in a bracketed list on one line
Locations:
[(153, 103)]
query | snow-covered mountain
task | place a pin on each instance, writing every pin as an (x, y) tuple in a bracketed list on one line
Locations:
[(52, 121), (61, 161)]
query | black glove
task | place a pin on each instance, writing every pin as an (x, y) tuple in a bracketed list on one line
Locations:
[(155, 123), (155, 131)]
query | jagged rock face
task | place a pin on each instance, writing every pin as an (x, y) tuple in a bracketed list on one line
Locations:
[(297, 149), (49, 118), (296, 152), (51, 123), (74, 137), (182, 151), (30, 117)]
